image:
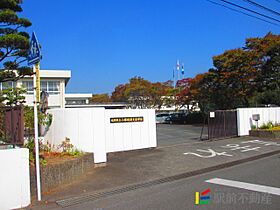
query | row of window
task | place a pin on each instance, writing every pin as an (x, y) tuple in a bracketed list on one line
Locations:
[(51, 87), (6, 85)]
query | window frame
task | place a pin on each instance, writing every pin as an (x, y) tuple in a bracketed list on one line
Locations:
[(47, 86)]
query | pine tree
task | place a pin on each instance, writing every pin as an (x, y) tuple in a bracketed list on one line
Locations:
[(14, 42)]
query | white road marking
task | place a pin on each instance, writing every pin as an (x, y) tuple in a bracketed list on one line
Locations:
[(242, 149), (244, 185), (211, 153)]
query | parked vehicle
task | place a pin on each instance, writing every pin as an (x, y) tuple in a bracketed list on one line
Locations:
[(177, 118), (161, 117)]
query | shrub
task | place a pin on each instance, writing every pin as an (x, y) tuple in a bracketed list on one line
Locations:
[(46, 150), (270, 126), (44, 119)]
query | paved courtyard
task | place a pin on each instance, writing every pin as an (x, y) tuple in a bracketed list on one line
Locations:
[(168, 135)]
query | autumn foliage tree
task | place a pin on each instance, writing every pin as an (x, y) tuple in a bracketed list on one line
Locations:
[(235, 78), (141, 93), (241, 77), (202, 90), (183, 96), (241, 74), (100, 98)]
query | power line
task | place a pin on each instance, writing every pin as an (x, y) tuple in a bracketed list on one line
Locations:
[(262, 7), (243, 12), (244, 8)]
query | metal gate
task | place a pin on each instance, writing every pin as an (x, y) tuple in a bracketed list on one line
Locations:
[(11, 125), (222, 124)]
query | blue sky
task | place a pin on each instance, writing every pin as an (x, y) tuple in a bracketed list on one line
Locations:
[(106, 42)]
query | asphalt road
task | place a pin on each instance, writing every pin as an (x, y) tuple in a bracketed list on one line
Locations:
[(181, 194), (173, 134)]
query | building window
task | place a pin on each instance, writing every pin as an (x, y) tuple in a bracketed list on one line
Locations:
[(6, 85), (51, 87), (76, 101), (28, 85)]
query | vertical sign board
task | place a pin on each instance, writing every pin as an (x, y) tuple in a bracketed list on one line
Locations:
[(34, 54), (34, 57)]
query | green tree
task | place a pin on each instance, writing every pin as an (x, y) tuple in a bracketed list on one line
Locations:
[(14, 42), (270, 73), (12, 96), (268, 97), (203, 92)]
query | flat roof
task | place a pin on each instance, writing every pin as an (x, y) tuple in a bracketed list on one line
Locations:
[(55, 74), (105, 105), (78, 95)]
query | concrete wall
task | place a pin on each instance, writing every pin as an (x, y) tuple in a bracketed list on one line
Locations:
[(245, 119), (63, 172), (90, 130), (14, 178)]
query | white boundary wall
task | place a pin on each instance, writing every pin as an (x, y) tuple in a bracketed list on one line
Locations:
[(90, 130), (14, 178), (245, 119)]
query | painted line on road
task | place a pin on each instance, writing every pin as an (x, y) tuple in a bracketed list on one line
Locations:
[(98, 195), (244, 185)]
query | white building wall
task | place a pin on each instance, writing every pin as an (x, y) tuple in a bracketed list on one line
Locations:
[(14, 178), (54, 100), (90, 130), (245, 119), (62, 101)]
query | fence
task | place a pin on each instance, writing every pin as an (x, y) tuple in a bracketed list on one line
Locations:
[(11, 125), (245, 118), (222, 124)]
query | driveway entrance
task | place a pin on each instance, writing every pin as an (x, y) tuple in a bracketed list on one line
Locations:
[(172, 134)]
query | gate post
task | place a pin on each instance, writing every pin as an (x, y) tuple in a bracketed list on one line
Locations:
[(99, 139)]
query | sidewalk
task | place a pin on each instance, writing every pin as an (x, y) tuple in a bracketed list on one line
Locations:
[(135, 167)]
